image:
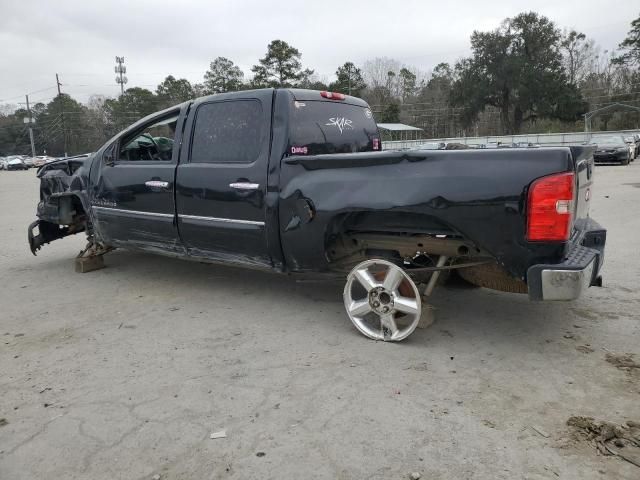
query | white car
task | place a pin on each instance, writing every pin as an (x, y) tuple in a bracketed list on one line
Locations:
[(632, 147), (16, 164)]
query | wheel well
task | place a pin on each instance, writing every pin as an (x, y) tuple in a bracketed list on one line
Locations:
[(400, 238), (66, 209), (387, 221)]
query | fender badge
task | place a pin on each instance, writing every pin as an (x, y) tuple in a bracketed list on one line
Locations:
[(587, 195)]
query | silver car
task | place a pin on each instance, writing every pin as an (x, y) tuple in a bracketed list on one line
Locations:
[(632, 147)]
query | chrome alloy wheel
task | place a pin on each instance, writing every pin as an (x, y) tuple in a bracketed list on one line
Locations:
[(382, 301)]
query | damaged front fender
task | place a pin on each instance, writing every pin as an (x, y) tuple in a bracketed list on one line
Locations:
[(63, 205)]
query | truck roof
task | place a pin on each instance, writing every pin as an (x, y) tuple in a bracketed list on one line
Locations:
[(311, 95), (299, 94)]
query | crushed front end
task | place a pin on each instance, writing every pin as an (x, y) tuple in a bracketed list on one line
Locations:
[(63, 202)]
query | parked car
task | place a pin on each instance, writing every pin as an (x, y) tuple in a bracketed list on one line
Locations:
[(290, 180), (16, 164), (611, 148), (636, 138), (631, 142), (39, 161)]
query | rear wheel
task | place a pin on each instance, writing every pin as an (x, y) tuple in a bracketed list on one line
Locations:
[(382, 301)]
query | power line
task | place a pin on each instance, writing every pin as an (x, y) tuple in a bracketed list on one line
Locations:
[(28, 93), (64, 129)]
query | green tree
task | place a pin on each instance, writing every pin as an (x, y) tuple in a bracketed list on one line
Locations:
[(14, 137), (432, 111), (62, 123), (407, 83), (579, 55), (223, 76), (173, 91), (349, 80), (280, 67), (518, 69), (132, 105), (631, 46), (391, 113), (310, 80)]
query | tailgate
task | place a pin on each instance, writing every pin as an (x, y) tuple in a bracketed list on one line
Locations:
[(584, 165)]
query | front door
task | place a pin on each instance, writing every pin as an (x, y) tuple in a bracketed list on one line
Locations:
[(133, 191), (222, 176)]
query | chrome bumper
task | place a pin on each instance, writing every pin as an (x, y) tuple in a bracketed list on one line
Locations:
[(566, 284), (579, 270)]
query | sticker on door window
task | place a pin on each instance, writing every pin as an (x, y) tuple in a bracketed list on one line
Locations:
[(299, 150)]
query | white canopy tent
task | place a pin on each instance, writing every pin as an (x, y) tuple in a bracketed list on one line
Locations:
[(400, 131)]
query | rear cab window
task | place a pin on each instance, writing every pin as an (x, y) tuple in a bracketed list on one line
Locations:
[(331, 126)]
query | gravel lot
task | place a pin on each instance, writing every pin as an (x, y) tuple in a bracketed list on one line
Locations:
[(124, 373)]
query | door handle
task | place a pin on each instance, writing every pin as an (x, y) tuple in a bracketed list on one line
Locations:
[(156, 184), (245, 186)]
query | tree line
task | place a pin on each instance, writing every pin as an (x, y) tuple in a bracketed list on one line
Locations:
[(527, 75)]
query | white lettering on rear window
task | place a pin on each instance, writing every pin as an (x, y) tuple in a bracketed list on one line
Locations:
[(341, 122)]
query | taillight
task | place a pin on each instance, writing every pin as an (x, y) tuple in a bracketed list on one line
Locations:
[(332, 95), (550, 208)]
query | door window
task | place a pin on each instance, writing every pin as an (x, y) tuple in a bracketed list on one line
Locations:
[(227, 132), (153, 141)]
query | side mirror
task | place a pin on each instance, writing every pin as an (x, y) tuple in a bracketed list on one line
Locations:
[(109, 156)]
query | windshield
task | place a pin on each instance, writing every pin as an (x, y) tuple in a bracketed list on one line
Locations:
[(611, 140), (319, 127)]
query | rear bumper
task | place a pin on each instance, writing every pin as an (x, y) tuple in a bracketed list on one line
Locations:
[(580, 269)]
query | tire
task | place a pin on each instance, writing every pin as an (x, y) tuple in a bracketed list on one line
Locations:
[(492, 276), (625, 161)]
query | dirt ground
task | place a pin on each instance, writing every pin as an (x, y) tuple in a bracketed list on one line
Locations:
[(124, 373)]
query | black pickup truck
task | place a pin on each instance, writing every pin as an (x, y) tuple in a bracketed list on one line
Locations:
[(295, 181)]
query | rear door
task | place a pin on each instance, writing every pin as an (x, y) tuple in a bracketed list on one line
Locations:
[(133, 188), (222, 177)]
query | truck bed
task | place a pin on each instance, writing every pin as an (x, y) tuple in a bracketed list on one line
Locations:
[(475, 195)]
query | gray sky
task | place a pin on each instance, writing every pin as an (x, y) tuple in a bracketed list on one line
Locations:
[(80, 38)]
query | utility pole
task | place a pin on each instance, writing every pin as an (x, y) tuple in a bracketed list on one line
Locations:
[(64, 126), (30, 118), (120, 70), (349, 76)]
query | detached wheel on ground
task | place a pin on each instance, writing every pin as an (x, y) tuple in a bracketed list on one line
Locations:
[(382, 301)]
